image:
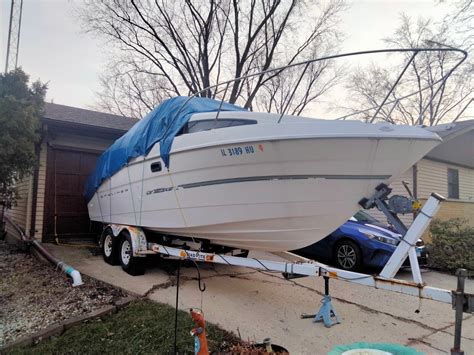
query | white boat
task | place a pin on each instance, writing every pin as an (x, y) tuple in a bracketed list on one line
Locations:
[(246, 180), (253, 180)]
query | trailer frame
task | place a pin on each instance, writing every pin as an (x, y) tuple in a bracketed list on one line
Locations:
[(460, 301), (385, 280)]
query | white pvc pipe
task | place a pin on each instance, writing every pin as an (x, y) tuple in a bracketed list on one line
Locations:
[(76, 278), (71, 272)]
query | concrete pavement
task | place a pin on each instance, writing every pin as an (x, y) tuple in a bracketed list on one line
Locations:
[(256, 304)]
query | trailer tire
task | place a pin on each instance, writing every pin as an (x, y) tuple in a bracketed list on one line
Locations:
[(109, 245), (130, 264), (244, 254)]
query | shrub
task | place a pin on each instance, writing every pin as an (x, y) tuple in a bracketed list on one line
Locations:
[(452, 245)]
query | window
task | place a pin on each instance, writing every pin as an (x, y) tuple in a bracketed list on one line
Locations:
[(207, 125), (364, 217), (453, 183)]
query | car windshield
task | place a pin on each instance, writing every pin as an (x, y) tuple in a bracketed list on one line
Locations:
[(365, 217)]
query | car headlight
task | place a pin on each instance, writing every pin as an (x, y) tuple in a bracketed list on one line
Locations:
[(379, 237)]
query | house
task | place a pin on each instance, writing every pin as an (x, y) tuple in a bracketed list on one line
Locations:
[(51, 202), (447, 170)]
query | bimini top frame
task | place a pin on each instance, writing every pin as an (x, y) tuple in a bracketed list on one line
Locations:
[(305, 64)]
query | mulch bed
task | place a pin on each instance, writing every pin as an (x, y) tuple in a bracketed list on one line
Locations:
[(33, 295)]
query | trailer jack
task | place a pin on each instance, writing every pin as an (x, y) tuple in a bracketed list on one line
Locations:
[(326, 312)]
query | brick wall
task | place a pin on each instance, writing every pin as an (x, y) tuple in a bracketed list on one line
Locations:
[(456, 209), (453, 209)]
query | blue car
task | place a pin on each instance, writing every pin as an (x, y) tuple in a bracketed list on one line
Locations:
[(361, 242)]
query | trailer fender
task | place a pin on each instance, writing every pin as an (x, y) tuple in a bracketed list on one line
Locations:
[(139, 242)]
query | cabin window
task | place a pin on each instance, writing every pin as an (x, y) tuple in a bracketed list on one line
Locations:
[(453, 183), (207, 125)]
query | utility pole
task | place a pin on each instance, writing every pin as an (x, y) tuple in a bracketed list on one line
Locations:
[(13, 44)]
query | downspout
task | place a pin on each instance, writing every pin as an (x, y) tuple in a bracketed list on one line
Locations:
[(29, 203), (67, 269), (415, 181), (415, 186)]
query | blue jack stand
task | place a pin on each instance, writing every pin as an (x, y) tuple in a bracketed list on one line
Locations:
[(326, 313)]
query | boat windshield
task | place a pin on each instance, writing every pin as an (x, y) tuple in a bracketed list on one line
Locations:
[(207, 125)]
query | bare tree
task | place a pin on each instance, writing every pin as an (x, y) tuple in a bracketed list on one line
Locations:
[(132, 93), (165, 48), (460, 23), (443, 101), (292, 90)]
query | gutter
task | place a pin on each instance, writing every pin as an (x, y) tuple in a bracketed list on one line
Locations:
[(67, 269)]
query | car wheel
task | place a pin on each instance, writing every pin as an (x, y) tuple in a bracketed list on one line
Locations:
[(347, 256), (130, 264), (109, 248)]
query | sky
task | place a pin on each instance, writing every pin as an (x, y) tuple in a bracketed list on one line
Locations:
[(55, 48)]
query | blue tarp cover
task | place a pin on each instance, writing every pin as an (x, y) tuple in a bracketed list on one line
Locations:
[(160, 125)]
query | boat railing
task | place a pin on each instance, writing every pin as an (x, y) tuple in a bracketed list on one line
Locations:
[(415, 51)]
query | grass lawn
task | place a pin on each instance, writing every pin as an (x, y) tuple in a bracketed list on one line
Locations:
[(142, 327)]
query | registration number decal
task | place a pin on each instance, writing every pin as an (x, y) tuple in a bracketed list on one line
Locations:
[(240, 150)]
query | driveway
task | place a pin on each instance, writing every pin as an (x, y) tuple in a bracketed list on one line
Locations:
[(256, 304)]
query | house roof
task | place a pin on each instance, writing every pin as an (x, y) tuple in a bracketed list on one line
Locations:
[(73, 115), (448, 131), (458, 143)]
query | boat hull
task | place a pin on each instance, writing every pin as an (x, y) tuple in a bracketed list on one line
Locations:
[(275, 193)]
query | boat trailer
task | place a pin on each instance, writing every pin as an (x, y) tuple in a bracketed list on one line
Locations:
[(390, 206)]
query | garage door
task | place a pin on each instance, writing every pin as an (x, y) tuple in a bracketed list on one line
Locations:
[(65, 208)]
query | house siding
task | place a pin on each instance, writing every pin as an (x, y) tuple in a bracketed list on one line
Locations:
[(466, 185), (433, 177), (40, 194), (18, 214)]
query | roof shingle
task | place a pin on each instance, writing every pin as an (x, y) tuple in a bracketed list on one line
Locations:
[(68, 114)]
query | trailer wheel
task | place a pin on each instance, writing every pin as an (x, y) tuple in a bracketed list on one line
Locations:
[(131, 265), (243, 254), (347, 255), (109, 248)]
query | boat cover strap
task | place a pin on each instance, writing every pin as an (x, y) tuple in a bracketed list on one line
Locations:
[(160, 125)]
